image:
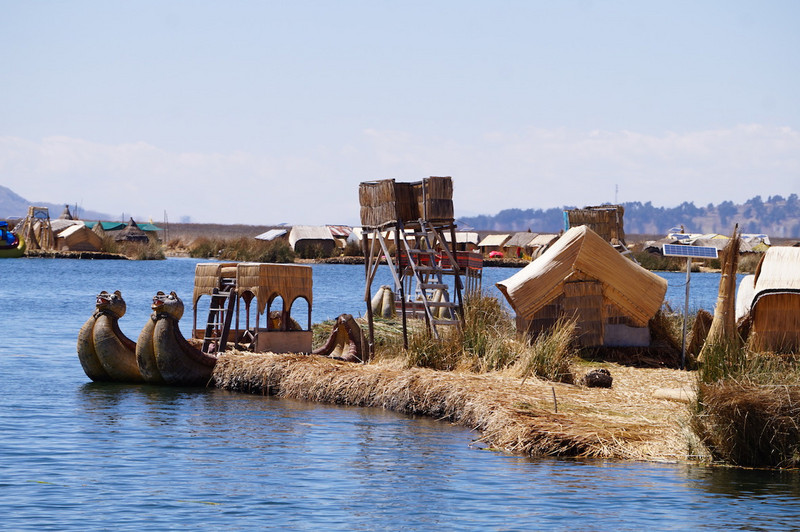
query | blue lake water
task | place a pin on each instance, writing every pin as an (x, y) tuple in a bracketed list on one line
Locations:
[(78, 455)]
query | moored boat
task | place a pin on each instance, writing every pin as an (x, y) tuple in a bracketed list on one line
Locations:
[(11, 245), (163, 354)]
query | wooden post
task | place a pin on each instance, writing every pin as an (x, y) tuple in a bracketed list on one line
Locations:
[(368, 292), (400, 268)]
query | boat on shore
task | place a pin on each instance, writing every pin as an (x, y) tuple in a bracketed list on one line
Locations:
[(11, 246)]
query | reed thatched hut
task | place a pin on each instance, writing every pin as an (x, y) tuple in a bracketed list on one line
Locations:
[(582, 275), (774, 301), (312, 240), (519, 244), (541, 242), (131, 233), (78, 237), (273, 235), (493, 243)]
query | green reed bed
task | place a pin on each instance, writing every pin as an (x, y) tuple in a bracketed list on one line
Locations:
[(151, 250), (487, 342), (242, 249)]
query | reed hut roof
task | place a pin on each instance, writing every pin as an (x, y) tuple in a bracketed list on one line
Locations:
[(78, 237), (543, 239), (309, 232), (66, 215), (272, 234), (265, 281), (520, 240), (580, 252), (779, 270), (61, 224), (131, 233), (493, 240)]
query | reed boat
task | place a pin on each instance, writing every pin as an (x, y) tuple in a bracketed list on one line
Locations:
[(11, 246)]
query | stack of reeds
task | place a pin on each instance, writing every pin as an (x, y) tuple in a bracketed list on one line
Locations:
[(605, 220), (434, 198), (387, 202), (378, 201), (723, 327)]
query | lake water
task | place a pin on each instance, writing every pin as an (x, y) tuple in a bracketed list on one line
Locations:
[(76, 455)]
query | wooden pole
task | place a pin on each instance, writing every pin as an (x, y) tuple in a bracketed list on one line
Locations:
[(400, 268), (368, 292)]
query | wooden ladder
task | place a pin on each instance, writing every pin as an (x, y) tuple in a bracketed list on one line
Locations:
[(428, 273), (220, 314)]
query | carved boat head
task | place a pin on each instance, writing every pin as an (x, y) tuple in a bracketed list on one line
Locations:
[(111, 303), (169, 304)]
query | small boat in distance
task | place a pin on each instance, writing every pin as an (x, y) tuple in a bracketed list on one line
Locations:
[(11, 245)]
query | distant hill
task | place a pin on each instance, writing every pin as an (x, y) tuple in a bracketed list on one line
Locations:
[(13, 205), (777, 217)]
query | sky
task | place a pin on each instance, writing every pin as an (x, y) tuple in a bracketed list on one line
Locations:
[(265, 112)]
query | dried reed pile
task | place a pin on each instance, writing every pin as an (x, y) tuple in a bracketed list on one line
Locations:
[(511, 415), (747, 410), (748, 424)]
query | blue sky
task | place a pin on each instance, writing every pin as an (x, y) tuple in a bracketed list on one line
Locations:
[(266, 112)]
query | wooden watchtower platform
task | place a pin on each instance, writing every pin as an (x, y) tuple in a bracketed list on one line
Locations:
[(406, 223)]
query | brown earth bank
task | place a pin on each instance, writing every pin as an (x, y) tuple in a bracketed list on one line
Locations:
[(634, 419), (86, 255)]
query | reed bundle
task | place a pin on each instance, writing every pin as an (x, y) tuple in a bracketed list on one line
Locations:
[(750, 424), (387, 201), (511, 415)]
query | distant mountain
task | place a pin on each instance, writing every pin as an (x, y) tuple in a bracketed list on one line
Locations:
[(777, 217), (13, 205)]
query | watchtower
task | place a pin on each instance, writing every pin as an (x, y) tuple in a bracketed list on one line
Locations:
[(413, 218), (36, 229)]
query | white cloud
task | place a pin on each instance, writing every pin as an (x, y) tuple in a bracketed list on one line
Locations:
[(536, 168)]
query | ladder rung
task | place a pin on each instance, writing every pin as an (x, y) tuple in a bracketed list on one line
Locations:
[(445, 322), (442, 304), (434, 286)]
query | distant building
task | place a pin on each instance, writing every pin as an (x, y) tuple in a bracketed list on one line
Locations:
[(493, 243), (273, 234), (312, 240)]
